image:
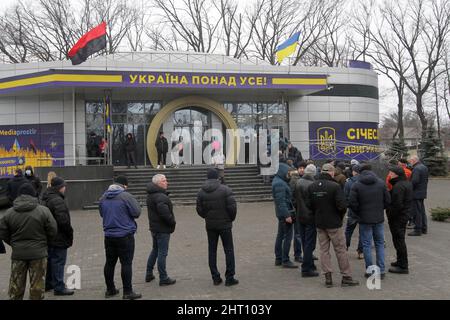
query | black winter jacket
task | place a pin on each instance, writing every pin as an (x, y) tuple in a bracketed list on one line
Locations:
[(161, 144), (160, 210), (327, 202), (13, 187), (304, 214), (401, 199), (36, 183), (130, 145), (216, 204), (419, 179), (54, 200), (368, 198)]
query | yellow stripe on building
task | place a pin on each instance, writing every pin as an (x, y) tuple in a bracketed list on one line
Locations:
[(61, 78), (299, 81)]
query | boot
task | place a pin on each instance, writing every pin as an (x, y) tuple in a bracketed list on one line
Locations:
[(349, 282), (398, 269), (328, 280)]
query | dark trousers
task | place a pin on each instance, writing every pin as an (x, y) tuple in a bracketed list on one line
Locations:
[(227, 242), (162, 158), (349, 229), (56, 263), (2, 247), (131, 159), (122, 249), (308, 234), (420, 216), (297, 241), (283, 241), (159, 253), (398, 230)]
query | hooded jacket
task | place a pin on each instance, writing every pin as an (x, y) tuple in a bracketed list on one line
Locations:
[(282, 193), (368, 198), (118, 209), (13, 187), (304, 214), (35, 182), (216, 204), (160, 210), (327, 202), (401, 199), (54, 200), (27, 227)]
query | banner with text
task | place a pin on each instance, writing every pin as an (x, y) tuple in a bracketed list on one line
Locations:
[(37, 145), (343, 140)]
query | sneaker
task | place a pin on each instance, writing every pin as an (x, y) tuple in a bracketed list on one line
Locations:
[(217, 281), (111, 293), (167, 282), (360, 255), (328, 280), (158, 166), (410, 225), (231, 282), (315, 258), (397, 269), (149, 277), (132, 296), (278, 262), (424, 231), (310, 274), (164, 166), (289, 265), (415, 233), (65, 292), (394, 264), (299, 259), (349, 282)]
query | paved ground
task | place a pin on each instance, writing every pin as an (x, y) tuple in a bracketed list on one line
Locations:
[(254, 234)]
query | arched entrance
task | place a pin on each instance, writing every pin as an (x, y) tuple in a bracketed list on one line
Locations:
[(171, 107)]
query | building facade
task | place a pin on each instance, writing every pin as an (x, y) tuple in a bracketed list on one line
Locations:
[(48, 110)]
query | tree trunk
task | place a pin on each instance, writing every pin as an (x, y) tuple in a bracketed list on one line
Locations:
[(437, 107), (421, 114)]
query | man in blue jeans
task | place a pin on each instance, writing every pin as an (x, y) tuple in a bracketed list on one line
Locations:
[(282, 196), (119, 209), (162, 224), (368, 199)]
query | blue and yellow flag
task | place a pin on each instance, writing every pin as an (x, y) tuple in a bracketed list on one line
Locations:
[(287, 48), (108, 114), (16, 145)]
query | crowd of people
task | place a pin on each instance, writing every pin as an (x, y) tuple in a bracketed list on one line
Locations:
[(310, 206), (312, 203)]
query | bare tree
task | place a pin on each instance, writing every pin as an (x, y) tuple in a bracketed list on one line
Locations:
[(13, 38)]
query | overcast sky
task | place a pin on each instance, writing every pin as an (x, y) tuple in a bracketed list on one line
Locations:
[(387, 102)]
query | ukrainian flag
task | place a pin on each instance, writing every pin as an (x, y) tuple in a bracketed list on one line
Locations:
[(16, 145), (287, 48)]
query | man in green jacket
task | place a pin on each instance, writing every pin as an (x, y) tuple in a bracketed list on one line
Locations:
[(27, 227)]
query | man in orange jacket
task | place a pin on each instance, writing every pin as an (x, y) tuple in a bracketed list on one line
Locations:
[(404, 164)]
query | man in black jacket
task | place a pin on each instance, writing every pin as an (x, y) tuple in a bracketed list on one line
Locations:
[(162, 224), (368, 199), (162, 147), (216, 204), (328, 205), (130, 149), (14, 184), (398, 214), (419, 180), (57, 248)]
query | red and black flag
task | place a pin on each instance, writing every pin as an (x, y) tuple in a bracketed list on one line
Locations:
[(90, 43)]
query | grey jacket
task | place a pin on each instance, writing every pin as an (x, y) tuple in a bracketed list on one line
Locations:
[(419, 180), (27, 227)]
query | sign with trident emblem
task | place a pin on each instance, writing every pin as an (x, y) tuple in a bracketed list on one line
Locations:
[(327, 140)]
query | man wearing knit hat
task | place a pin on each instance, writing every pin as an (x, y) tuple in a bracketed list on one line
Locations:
[(119, 209), (398, 214), (216, 204), (328, 205), (54, 199), (305, 220), (26, 227)]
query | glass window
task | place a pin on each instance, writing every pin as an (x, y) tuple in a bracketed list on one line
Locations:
[(136, 108), (119, 107), (94, 107)]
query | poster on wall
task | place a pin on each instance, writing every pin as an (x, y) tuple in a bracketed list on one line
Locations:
[(343, 140), (37, 145)]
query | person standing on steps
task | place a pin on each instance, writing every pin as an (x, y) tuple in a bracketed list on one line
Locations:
[(130, 149), (162, 147)]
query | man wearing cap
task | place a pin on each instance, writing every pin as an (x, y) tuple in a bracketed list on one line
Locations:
[(162, 147), (328, 205), (119, 209), (305, 221), (352, 220), (26, 227), (368, 199), (54, 199), (216, 204), (398, 214)]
